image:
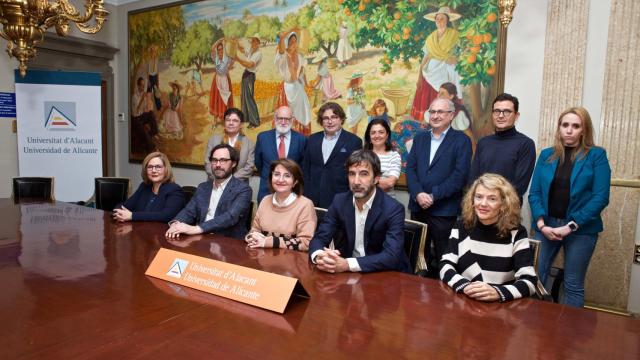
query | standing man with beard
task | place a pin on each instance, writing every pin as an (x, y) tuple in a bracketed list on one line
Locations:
[(218, 206), (278, 143), (371, 222)]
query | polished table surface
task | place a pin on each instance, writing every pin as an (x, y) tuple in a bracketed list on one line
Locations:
[(73, 286)]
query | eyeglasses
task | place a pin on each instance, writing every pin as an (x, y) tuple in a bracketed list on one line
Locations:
[(505, 113), (439, 112), (219, 161), (155, 167), (332, 117), (281, 118)]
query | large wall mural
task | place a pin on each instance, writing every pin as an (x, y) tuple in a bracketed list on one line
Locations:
[(374, 57)]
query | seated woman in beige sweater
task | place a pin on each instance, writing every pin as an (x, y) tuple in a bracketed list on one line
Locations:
[(285, 219)]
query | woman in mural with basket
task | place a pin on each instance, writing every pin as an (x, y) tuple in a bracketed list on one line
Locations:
[(220, 97), (439, 62), (289, 64)]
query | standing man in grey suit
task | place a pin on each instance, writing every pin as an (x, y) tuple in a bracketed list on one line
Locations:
[(218, 206)]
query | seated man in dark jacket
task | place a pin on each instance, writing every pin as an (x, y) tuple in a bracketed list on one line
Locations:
[(218, 206), (371, 221)]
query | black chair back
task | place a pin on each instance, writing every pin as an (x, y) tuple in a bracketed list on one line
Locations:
[(541, 291), (188, 192), (320, 212), (33, 188), (249, 216), (554, 280), (110, 191), (415, 236)]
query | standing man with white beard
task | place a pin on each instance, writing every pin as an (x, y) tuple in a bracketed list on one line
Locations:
[(278, 143)]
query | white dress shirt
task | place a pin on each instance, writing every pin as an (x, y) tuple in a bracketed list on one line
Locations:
[(328, 143), (361, 220), (216, 194), (436, 142)]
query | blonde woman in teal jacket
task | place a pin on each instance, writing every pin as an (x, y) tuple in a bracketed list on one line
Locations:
[(569, 190)]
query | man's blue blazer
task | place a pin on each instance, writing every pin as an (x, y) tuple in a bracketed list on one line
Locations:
[(267, 151), (445, 177), (383, 232), (322, 181), (231, 214)]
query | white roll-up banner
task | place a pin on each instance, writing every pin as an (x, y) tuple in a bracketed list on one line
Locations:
[(59, 130)]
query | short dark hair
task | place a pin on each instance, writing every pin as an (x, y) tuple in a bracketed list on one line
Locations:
[(367, 136), (507, 97), (337, 109), (291, 167), (233, 110), (233, 153), (140, 79), (364, 156)]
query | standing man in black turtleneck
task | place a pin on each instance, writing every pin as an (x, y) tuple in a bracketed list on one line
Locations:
[(507, 152)]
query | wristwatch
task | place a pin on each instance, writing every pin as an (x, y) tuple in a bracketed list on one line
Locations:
[(572, 225)]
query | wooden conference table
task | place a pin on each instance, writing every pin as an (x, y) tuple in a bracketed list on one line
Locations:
[(73, 286)]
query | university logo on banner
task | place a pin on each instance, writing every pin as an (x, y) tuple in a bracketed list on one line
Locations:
[(177, 267), (60, 115)]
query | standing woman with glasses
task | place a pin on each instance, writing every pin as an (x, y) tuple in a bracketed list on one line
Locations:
[(569, 190), (232, 135), (158, 197)]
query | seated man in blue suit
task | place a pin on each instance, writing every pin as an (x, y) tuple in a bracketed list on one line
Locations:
[(371, 222), (327, 150), (437, 170), (219, 206), (281, 142)]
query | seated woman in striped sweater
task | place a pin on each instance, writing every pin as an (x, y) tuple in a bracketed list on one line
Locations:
[(489, 258)]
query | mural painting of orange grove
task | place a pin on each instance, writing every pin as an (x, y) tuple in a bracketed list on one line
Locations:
[(376, 58)]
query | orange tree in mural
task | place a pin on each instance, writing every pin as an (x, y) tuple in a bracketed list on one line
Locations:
[(162, 28), (322, 19), (400, 29), (194, 47)]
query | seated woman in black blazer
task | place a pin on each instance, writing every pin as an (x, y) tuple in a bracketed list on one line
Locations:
[(158, 197)]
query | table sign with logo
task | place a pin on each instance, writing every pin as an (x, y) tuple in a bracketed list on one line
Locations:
[(250, 286)]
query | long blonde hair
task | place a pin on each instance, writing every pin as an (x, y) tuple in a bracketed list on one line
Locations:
[(586, 139), (509, 213)]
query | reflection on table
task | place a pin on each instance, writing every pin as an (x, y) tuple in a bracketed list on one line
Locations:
[(74, 286)]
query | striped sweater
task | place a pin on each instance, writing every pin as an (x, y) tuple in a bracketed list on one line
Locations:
[(480, 254)]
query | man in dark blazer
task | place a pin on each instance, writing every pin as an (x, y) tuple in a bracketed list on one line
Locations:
[(371, 223), (276, 143), (326, 152), (219, 206), (437, 170)]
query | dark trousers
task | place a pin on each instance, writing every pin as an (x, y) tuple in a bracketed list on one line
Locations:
[(438, 232), (249, 107)]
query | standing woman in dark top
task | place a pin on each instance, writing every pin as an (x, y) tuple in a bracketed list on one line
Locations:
[(158, 197), (569, 190)]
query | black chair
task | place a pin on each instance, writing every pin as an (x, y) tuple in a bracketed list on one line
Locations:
[(415, 237), (188, 192), (249, 215), (33, 188), (541, 292), (320, 212), (110, 191)]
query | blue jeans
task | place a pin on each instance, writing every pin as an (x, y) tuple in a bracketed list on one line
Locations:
[(577, 254)]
